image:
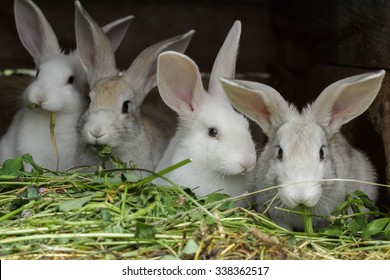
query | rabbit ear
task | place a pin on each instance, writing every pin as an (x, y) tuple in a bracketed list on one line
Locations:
[(179, 82), (96, 53), (225, 63), (346, 99), (142, 72), (34, 31), (259, 102), (116, 30)]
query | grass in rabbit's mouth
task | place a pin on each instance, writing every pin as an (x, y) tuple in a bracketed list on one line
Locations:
[(307, 219), (53, 138), (32, 106), (113, 214)]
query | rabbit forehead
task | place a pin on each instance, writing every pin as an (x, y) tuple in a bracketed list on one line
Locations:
[(109, 93), (217, 112), (58, 66), (300, 138)]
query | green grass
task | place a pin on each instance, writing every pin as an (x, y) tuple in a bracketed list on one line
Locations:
[(112, 214)]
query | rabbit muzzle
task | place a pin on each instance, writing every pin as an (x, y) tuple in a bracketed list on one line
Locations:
[(305, 193), (99, 128), (248, 167)]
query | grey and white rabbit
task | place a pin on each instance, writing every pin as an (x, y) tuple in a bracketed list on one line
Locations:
[(57, 88), (114, 116), (306, 148), (210, 131)]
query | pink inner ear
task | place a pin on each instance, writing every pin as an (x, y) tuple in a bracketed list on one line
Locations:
[(263, 110), (342, 105), (33, 42), (183, 90), (91, 57), (187, 98)]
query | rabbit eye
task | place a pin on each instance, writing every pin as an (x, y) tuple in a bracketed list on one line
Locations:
[(88, 101), (125, 107), (213, 132), (280, 153), (36, 75), (322, 156), (71, 80)]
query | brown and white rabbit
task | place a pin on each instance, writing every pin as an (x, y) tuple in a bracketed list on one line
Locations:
[(114, 115), (210, 131), (58, 88), (306, 148)]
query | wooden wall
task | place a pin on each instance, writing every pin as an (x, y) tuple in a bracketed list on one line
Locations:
[(155, 20)]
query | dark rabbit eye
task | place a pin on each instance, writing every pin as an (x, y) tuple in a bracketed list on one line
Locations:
[(322, 154), (213, 132), (125, 107), (88, 101), (36, 75), (70, 80), (280, 153)]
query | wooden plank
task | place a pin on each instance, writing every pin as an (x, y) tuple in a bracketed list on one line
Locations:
[(343, 32)]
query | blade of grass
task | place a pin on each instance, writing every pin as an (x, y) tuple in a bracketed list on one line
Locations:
[(307, 219), (162, 172), (53, 138)]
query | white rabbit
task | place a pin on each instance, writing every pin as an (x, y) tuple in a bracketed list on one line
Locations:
[(58, 88), (305, 148), (114, 115), (210, 131)]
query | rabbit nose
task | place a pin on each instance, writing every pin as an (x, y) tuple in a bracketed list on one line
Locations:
[(97, 133), (38, 99), (247, 166), (245, 169), (306, 194)]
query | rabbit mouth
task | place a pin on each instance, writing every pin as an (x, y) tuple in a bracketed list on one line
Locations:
[(243, 172), (38, 106), (98, 136), (32, 106), (232, 175)]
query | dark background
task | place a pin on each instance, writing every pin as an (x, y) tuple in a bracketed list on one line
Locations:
[(154, 21)]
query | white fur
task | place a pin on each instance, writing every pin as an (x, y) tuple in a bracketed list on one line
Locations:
[(30, 129), (51, 91), (132, 135), (301, 169), (222, 163)]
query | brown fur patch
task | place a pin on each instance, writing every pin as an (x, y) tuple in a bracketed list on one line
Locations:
[(107, 93)]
